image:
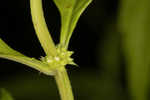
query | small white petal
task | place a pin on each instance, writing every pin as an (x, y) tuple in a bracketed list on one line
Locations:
[(49, 60), (57, 58)]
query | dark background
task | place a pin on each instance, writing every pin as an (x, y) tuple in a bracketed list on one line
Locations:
[(96, 41)]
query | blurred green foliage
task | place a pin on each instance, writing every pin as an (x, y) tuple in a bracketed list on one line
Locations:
[(134, 23), (4, 95)]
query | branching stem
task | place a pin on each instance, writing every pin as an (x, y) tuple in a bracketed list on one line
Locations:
[(48, 45)]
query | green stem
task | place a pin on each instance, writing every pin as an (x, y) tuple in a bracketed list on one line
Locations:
[(48, 45), (41, 28), (63, 84)]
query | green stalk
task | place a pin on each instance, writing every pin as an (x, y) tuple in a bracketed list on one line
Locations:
[(63, 84), (41, 28), (48, 45)]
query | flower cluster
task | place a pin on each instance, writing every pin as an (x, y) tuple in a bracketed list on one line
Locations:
[(62, 58)]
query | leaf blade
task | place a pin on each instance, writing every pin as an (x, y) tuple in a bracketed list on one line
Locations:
[(7, 52), (70, 11)]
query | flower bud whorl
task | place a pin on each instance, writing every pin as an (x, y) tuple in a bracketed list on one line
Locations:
[(62, 58)]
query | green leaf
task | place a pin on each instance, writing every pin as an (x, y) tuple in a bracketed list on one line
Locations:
[(4, 95), (8, 53), (5, 49), (70, 11)]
